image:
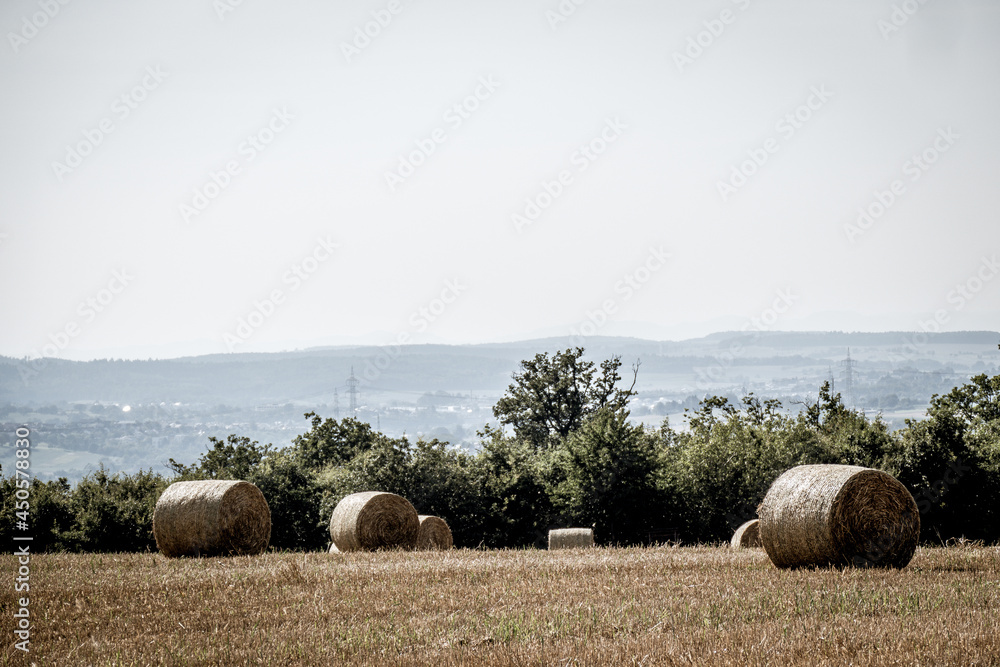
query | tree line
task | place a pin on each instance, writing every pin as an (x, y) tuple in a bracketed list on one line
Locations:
[(564, 454)]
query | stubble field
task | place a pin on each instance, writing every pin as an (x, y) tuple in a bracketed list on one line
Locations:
[(604, 606)]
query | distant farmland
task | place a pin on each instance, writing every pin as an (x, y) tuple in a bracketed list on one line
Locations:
[(648, 606)]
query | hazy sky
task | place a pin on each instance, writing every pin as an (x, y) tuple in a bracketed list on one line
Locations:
[(486, 171)]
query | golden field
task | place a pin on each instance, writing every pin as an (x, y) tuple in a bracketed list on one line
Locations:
[(602, 606)]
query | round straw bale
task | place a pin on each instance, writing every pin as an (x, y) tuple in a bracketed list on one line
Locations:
[(211, 518), (434, 534), (820, 515), (747, 536), (333, 549), (571, 538), (374, 520)]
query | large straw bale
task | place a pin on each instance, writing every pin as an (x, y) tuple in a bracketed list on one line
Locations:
[(374, 520), (747, 536), (819, 515), (211, 518), (571, 538)]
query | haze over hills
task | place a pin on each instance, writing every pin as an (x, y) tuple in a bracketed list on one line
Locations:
[(718, 361), (135, 414)]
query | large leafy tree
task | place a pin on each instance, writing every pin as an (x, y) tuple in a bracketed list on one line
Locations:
[(553, 396), (236, 457), (332, 442)]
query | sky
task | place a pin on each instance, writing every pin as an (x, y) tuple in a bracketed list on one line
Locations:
[(207, 176)]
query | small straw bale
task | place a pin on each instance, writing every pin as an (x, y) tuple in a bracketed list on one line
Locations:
[(374, 520), (747, 536), (819, 515), (333, 549), (434, 534), (212, 518), (571, 538)]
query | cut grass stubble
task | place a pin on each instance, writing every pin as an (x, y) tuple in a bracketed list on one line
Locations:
[(598, 606)]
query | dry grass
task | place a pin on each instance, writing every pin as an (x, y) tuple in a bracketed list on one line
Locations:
[(661, 606)]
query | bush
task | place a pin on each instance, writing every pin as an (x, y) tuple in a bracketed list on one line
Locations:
[(49, 514), (293, 496), (610, 470), (115, 512), (514, 482)]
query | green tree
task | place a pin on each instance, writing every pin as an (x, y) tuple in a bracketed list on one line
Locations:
[(382, 467), (441, 482), (236, 457), (294, 498), (610, 479), (333, 442), (552, 396), (848, 436), (949, 462), (721, 469), (514, 481)]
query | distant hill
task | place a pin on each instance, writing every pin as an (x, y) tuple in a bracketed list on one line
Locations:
[(721, 359)]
